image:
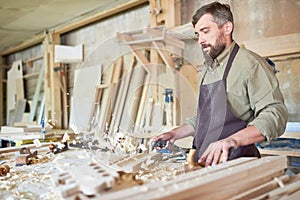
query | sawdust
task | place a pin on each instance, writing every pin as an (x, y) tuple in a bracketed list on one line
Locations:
[(28, 182), (34, 181)]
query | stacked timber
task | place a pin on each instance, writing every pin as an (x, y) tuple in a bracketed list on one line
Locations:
[(243, 178)]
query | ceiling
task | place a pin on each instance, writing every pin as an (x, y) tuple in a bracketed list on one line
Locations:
[(21, 20)]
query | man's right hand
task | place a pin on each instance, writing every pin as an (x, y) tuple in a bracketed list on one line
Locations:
[(182, 131), (167, 136)]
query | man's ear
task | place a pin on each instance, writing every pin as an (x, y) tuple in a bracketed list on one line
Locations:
[(228, 27)]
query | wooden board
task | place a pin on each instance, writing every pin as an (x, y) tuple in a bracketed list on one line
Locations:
[(15, 87), (85, 84), (132, 99), (95, 178), (274, 46), (222, 181)]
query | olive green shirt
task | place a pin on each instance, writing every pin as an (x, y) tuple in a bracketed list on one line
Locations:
[(253, 92)]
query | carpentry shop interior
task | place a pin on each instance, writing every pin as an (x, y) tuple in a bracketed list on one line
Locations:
[(150, 99)]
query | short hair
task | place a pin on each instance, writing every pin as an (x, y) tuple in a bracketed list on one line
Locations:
[(221, 13)]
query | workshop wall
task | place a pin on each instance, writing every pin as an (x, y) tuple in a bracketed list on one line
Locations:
[(32, 59), (95, 35), (254, 19)]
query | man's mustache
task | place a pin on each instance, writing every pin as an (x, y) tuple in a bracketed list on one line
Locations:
[(205, 46)]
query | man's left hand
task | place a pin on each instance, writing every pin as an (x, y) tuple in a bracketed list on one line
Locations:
[(217, 151)]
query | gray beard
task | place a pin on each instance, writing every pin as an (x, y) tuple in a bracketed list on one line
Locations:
[(208, 59)]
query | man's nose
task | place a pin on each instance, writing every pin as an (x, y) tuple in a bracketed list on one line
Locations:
[(201, 40)]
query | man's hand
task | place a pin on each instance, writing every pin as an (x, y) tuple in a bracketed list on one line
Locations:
[(167, 136), (217, 151)]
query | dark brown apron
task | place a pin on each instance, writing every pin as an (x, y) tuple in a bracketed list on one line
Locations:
[(215, 121)]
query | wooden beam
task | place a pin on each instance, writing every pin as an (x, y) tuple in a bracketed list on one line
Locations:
[(53, 110), (275, 46), (136, 51), (121, 97), (29, 62), (295, 153), (164, 54), (280, 191), (221, 181), (99, 16), (264, 188), (25, 44)]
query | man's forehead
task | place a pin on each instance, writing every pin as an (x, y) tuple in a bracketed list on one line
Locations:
[(205, 21)]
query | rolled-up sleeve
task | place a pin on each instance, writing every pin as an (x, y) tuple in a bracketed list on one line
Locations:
[(267, 102), (191, 121)]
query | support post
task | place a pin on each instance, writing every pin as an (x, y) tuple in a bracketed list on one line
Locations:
[(53, 110)]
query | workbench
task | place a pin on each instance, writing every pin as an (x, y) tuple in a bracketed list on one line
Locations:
[(73, 174), (287, 145)]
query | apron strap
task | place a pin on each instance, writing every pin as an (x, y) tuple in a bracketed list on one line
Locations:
[(229, 63)]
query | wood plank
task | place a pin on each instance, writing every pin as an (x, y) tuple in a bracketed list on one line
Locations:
[(19, 111), (115, 90), (136, 51), (36, 96), (120, 102), (99, 16), (83, 98), (294, 196), (65, 117), (141, 111), (38, 39), (219, 181), (105, 106), (17, 148), (274, 46), (184, 32), (286, 190), (128, 193), (52, 90), (31, 76), (282, 152), (132, 99), (15, 88), (30, 61), (262, 189), (72, 181), (164, 54), (169, 39), (231, 181)]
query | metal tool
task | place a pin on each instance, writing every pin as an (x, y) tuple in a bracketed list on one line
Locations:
[(159, 143), (162, 143)]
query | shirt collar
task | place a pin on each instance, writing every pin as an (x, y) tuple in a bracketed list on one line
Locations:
[(222, 58)]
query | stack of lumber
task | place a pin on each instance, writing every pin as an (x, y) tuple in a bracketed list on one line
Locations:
[(244, 178), (127, 94)]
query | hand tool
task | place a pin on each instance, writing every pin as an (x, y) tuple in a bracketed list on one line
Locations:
[(162, 143), (159, 143)]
